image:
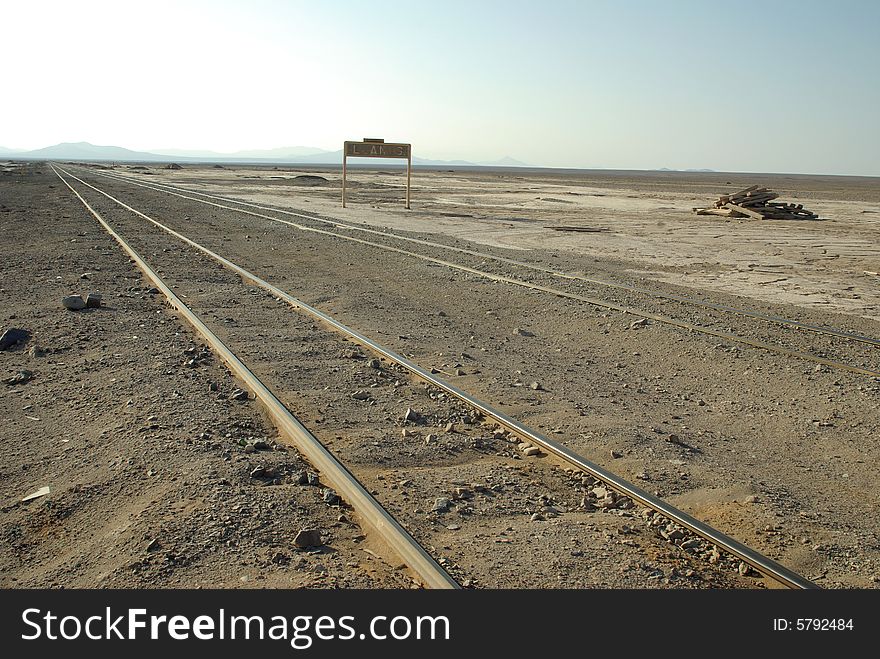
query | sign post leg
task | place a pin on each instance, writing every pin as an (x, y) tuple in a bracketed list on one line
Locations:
[(408, 170), (344, 157)]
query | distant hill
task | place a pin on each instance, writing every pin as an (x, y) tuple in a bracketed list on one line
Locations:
[(5, 152), (288, 155), (506, 161), (279, 153), (86, 151)]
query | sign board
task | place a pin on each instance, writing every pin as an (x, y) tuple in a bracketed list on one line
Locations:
[(376, 148)]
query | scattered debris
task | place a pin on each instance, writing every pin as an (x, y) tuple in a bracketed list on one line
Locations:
[(43, 491), (22, 377), (239, 394), (579, 229), (757, 203), (173, 165)]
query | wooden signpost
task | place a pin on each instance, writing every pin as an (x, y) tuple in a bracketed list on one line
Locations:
[(376, 148)]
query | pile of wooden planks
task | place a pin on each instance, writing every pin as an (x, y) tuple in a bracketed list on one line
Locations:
[(757, 203)]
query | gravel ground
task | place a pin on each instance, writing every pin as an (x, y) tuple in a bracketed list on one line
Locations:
[(771, 450)]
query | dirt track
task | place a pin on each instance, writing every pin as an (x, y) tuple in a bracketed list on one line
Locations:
[(773, 451)]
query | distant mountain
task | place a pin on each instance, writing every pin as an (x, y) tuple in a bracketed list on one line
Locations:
[(5, 152), (287, 155), (86, 151), (506, 161), (281, 153)]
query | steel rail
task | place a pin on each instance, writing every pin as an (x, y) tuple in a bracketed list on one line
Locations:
[(753, 558), (364, 504), (780, 320), (666, 320)]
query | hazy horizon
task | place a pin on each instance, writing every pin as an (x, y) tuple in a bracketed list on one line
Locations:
[(588, 85)]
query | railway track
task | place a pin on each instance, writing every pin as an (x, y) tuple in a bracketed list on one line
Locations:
[(830, 333), (415, 555)]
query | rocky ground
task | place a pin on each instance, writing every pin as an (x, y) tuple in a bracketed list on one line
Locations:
[(773, 451)]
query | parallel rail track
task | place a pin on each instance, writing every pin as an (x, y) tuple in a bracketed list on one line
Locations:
[(364, 504), (728, 336), (756, 560)]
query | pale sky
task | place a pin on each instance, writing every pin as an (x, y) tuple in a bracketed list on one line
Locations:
[(770, 86)]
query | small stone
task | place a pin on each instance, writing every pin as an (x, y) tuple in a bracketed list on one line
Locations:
[(450, 427), (239, 394), (153, 545), (261, 445), (361, 395), (93, 300), (587, 504), (85, 275), (459, 372), (441, 505), (674, 534), (258, 472), (537, 517), (463, 493), (615, 454), (307, 538), (743, 568), (23, 376), (410, 415), (153, 291), (374, 363), (12, 336), (453, 527), (330, 497), (431, 439), (643, 322), (693, 543), (250, 448), (405, 433), (73, 303), (536, 386), (531, 451), (752, 498), (601, 492), (518, 331)]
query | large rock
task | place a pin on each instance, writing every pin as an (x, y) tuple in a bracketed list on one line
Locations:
[(13, 336), (308, 538), (73, 303)]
